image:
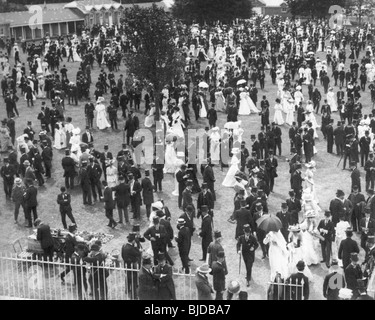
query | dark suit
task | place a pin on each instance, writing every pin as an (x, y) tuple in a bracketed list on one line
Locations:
[(365, 234), (184, 243), (86, 185), (46, 241), (209, 178), (64, 200), (109, 205), (95, 173), (97, 278), (165, 285), (326, 244), (347, 246), (131, 255), (297, 292), (148, 194), (286, 220), (352, 274), (136, 199), (187, 199), (219, 271), (271, 167), (336, 207), (261, 234), (160, 242), (181, 185), (31, 203), (247, 247), (122, 199), (339, 282), (79, 273), (203, 287), (243, 216), (68, 165), (206, 234), (207, 200)]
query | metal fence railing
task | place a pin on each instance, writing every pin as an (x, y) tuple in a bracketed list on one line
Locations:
[(284, 291), (32, 278)]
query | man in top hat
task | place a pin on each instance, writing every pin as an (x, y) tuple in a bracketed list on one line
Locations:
[(187, 198), (252, 162), (358, 201), (164, 273), (219, 271), (85, 183), (347, 246), (47, 156), (271, 168), (29, 131), (277, 136), (147, 192), (370, 171), (299, 278), (8, 173), (95, 173), (105, 158), (326, 229), (367, 227), (246, 245), (206, 231), (69, 166), (353, 272), (122, 196), (131, 125), (286, 219), (362, 290), (201, 281), (183, 240), (244, 155), (215, 247), (261, 234), (64, 200), (336, 206), (255, 147), (109, 204), (87, 136), (181, 177), (158, 237), (136, 228), (135, 196), (43, 234), (333, 282), (157, 172), (243, 217), (147, 289), (209, 178), (131, 255), (205, 197)]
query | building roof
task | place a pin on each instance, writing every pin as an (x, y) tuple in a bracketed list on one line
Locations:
[(50, 15), (273, 3), (257, 3)]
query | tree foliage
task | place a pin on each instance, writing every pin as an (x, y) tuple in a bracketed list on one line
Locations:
[(10, 7), (157, 60), (210, 11), (312, 8)]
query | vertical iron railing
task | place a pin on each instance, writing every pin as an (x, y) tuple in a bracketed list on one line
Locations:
[(33, 278), (284, 291)]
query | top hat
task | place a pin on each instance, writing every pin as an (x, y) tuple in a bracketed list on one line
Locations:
[(340, 193), (354, 257), (95, 247), (136, 228), (146, 261), (160, 213), (131, 236), (246, 228), (300, 265), (220, 254), (284, 205), (217, 234)]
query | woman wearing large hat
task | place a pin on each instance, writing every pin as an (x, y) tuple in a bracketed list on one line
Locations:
[(310, 241), (101, 115), (230, 180)]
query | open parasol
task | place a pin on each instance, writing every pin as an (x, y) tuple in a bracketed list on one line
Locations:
[(241, 81), (230, 125), (203, 85), (269, 222)]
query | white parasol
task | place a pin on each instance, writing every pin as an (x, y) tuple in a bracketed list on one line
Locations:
[(241, 81), (203, 85)]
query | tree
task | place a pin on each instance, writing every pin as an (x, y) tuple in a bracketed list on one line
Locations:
[(157, 60), (315, 8), (210, 11), (9, 7)]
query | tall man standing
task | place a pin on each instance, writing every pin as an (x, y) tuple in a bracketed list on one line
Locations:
[(326, 229), (63, 199), (109, 204), (206, 231), (68, 165), (147, 192)]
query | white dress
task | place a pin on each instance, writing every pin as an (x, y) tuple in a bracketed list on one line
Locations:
[(230, 180), (203, 108), (296, 254), (177, 125), (112, 176), (251, 103), (290, 113), (310, 184), (310, 243), (278, 116), (244, 108), (311, 117), (101, 117), (219, 101), (149, 120), (39, 70), (332, 101), (277, 253), (215, 146), (60, 137), (170, 158), (76, 57), (298, 97)]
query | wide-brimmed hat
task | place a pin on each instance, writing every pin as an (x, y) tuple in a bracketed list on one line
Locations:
[(181, 221), (204, 268), (235, 150), (295, 228), (310, 214), (18, 181), (158, 205), (136, 228)]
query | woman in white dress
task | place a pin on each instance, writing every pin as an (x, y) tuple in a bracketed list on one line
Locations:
[(76, 57), (277, 253), (60, 136), (170, 157), (340, 234), (101, 115), (75, 141), (150, 119), (230, 180), (331, 100), (295, 247), (308, 204), (309, 179), (250, 102), (244, 108), (215, 145), (39, 70), (69, 130), (310, 117), (45, 68), (289, 119), (278, 116), (177, 124), (112, 176), (219, 100), (41, 91), (203, 107), (310, 241), (298, 96)]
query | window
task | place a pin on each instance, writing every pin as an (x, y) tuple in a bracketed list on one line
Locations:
[(283, 9), (1, 31)]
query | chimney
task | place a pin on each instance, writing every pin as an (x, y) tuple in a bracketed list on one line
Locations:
[(45, 5)]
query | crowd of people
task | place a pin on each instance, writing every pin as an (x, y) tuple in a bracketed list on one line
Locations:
[(224, 66)]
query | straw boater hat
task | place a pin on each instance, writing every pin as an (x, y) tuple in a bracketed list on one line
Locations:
[(235, 150), (204, 268), (295, 228), (158, 205), (311, 164)]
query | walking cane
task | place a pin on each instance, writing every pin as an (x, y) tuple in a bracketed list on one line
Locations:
[(340, 160), (239, 262)]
